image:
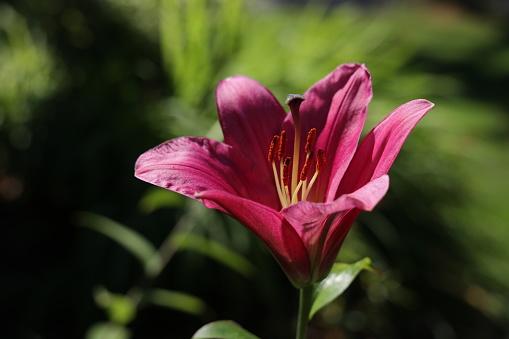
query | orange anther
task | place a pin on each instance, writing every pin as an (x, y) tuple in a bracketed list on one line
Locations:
[(286, 171), (320, 160), (310, 141), (282, 145), (305, 168), (272, 148)]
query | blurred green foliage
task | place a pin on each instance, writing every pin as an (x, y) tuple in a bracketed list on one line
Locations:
[(87, 86)]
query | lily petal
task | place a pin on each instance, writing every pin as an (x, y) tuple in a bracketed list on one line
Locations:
[(249, 115), (380, 147), (338, 224), (190, 165), (342, 130), (308, 217), (341, 223), (319, 97), (323, 226), (271, 227), (336, 106)]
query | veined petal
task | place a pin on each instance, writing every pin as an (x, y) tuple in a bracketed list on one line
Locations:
[(340, 223), (319, 97), (345, 94), (190, 165), (271, 227), (380, 147), (249, 115), (307, 217), (341, 134)]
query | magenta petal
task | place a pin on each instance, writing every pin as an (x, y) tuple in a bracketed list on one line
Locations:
[(191, 165), (342, 130), (249, 115), (322, 226), (319, 97), (308, 218), (340, 224), (271, 227), (380, 147)]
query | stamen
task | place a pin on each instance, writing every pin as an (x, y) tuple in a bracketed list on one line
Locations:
[(290, 184), (280, 193), (294, 101), (303, 178), (305, 169), (281, 156), (310, 141), (286, 178), (282, 145), (286, 171), (272, 148), (320, 160)]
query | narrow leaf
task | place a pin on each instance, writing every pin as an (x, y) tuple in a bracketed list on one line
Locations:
[(223, 329), (338, 280), (176, 300), (121, 309), (132, 241), (108, 331), (216, 251), (157, 198)]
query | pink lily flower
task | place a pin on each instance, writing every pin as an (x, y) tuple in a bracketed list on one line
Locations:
[(298, 181)]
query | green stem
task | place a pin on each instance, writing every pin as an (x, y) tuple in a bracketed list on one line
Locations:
[(305, 298)]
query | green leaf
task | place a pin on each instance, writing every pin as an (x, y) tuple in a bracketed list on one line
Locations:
[(132, 241), (108, 331), (338, 280), (223, 329), (176, 300), (121, 309), (216, 251), (157, 198)]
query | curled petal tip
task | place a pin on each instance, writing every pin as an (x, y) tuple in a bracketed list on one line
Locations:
[(423, 102)]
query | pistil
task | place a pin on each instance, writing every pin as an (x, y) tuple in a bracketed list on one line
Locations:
[(289, 182), (294, 101)]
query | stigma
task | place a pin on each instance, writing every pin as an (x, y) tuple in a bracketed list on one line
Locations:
[(293, 184)]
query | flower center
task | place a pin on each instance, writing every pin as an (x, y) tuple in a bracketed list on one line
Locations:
[(291, 185)]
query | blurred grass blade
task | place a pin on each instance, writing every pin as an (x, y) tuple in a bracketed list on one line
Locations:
[(338, 280), (216, 251), (176, 300), (108, 331), (197, 37), (231, 19), (223, 329), (185, 31), (132, 241), (121, 309), (157, 198)]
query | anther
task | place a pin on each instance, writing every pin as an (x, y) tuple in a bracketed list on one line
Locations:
[(310, 141), (305, 169), (272, 148), (320, 160), (282, 145), (286, 171)]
